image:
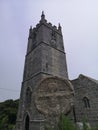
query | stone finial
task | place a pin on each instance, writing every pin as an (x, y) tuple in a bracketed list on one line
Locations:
[(42, 12), (42, 16), (59, 27), (43, 20), (30, 31), (30, 27)]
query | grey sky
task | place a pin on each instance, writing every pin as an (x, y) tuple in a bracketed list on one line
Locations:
[(79, 21)]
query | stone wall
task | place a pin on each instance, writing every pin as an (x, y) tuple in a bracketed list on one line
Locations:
[(86, 99)]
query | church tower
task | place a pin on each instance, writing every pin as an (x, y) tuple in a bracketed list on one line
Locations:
[(45, 57)]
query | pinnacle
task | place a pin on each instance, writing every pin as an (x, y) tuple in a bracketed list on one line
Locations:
[(42, 16)]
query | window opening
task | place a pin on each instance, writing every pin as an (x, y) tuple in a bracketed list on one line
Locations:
[(86, 102)]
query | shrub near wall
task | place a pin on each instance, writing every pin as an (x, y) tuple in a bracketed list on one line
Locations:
[(8, 113), (66, 124)]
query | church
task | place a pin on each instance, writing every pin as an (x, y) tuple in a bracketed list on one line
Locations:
[(46, 89)]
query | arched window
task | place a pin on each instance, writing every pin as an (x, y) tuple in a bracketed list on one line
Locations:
[(28, 96), (86, 102), (27, 121)]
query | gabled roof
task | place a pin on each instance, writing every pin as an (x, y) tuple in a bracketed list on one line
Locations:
[(93, 80), (84, 76)]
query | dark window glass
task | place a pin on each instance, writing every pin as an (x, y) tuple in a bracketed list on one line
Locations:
[(86, 102), (27, 120)]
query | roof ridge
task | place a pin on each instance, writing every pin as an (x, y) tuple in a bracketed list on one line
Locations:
[(94, 80)]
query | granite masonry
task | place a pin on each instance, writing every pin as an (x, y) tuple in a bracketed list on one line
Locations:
[(86, 99), (46, 59)]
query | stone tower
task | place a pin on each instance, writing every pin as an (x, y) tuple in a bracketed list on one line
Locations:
[(45, 57)]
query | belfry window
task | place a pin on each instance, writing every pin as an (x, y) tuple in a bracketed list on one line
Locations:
[(53, 35), (86, 102), (28, 96)]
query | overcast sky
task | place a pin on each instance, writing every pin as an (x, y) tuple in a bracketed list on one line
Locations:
[(79, 21)]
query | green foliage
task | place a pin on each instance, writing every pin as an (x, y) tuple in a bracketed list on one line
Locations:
[(95, 128), (65, 123), (84, 124), (8, 112), (46, 128)]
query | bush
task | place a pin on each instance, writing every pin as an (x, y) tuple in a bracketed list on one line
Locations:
[(8, 113), (65, 124)]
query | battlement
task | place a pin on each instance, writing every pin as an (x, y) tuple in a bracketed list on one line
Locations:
[(43, 21)]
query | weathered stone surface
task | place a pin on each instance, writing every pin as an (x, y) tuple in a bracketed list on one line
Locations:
[(43, 59), (86, 87), (46, 57), (54, 96)]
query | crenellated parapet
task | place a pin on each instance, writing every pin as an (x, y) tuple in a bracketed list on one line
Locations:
[(43, 21)]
